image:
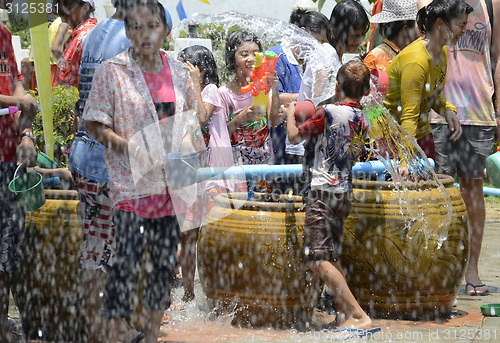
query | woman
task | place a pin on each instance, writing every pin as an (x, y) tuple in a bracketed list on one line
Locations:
[(77, 15), (289, 68), (121, 113), (396, 22), (417, 74), (349, 24)]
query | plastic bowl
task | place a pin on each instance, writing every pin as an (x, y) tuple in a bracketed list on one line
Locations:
[(491, 310)]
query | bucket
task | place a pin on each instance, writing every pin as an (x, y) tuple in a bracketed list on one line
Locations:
[(28, 189), (44, 161), (493, 168), (182, 170)]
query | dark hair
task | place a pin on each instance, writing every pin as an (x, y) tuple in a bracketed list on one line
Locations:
[(391, 30), (201, 57), (447, 10), (312, 21), (354, 79), (233, 42), (155, 8), (65, 6), (347, 15)]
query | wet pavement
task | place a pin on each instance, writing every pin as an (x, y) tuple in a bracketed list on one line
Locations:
[(194, 323)]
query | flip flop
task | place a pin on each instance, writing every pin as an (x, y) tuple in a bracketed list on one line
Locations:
[(138, 338), (343, 334), (474, 292)]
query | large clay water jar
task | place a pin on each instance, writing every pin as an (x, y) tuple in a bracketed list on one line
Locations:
[(249, 261), (406, 260), (48, 292)]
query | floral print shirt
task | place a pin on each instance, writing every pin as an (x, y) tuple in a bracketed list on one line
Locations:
[(120, 99)]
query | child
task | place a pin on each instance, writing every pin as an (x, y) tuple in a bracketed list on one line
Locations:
[(399, 31), (341, 130), (203, 70), (247, 125)]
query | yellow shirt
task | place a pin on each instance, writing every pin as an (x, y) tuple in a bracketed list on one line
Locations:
[(53, 28), (415, 86)]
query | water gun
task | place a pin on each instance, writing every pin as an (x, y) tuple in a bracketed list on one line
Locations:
[(263, 65), (8, 110)]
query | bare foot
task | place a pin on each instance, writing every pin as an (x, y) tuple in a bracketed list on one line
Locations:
[(364, 323)]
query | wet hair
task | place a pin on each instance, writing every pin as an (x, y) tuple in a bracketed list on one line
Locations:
[(154, 7), (233, 42), (354, 79), (122, 3), (347, 16), (65, 6), (312, 21), (447, 10), (391, 30), (201, 57)]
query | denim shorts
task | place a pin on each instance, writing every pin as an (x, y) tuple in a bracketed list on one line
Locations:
[(159, 237), (467, 156), (12, 222), (326, 213)]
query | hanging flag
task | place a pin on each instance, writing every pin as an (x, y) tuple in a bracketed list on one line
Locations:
[(41, 53), (205, 1), (180, 11)]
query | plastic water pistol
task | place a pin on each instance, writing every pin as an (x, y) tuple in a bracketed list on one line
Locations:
[(8, 110), (263, 65)]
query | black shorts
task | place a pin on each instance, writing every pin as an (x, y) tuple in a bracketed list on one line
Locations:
[(324, 224)]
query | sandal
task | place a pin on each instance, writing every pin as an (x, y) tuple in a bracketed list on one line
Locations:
[(474, 291)]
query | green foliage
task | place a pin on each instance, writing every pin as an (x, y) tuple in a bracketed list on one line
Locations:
[(63, 102), (19, 26)]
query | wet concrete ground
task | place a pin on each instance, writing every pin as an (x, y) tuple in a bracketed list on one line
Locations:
[(193, 322)]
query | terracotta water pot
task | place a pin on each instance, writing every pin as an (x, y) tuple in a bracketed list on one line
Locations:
[(47, 288), (249, 261), (406, 260)]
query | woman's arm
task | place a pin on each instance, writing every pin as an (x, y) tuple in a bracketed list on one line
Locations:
[(413, 79), (285, 98), (57, 44), (291, 126), (107, 137), (203, 111), (274, 101)]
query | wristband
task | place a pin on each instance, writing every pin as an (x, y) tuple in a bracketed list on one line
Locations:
[(28, 134)]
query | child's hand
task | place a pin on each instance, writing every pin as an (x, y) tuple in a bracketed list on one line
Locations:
[(288, 110), (194, 72), (252, 113)]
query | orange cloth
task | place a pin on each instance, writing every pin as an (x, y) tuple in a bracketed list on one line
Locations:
[(381, 56)]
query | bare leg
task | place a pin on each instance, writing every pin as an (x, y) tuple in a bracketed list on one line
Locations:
[(188, 262), (95, 283), (472, 193), (113, 330), (5, 335), (153, 325), (349, 311)]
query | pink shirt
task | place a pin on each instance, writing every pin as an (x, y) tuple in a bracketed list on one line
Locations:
[(120, 99), (159, 205)]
